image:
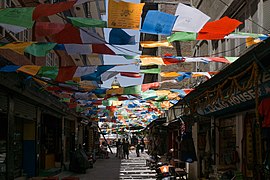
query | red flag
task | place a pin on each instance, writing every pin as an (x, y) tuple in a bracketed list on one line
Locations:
[(70, 35), (131, 74), (145, 87), (65, 73), (219, 59), (47, 28), (102, 49), (218, 29), (49, 9)]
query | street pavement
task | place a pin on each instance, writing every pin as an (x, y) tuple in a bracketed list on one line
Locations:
[(116, 169)]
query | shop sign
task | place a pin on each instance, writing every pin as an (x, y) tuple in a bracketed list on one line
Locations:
[(238, 97)]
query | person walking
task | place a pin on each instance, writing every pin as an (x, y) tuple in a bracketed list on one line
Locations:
[(142, 144), (126, 148), (118, 146)]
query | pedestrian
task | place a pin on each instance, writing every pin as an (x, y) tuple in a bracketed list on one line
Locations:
[(138, 147), (118, 145), (126, 148), (142, 144)]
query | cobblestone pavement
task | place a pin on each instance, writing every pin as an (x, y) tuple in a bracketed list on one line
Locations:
[(116, 169)]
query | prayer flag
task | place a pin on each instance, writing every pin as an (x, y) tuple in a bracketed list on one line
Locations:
[(9, 68), (124, 15), (189, 19), (231, 59), (49, 9), (151, 71), (218, 29), (244, 35), (17, 47), (47, 28), (169, 59), (83, 49), (29, 69), (145, 87), (108, 75), (157, 22), (102, 49), (120, 37), (17, 16), (182, 36), (169, 74), (64, 36), (89, 36), (65, 73), (183, 76), (153, 44), (48, 72), (13, 28), (81, 71), (219, 59), (87, 22), (40, 49), (151, 60), (132, 90), (131, 74)]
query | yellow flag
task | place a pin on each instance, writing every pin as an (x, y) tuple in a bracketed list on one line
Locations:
[(251, 41), (29, 69), (124, 15), (169, 74), (163, 92), (18, 47), (151, 60), (153, 44)]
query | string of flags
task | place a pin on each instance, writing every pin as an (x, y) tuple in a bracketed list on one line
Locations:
[(80, 87)]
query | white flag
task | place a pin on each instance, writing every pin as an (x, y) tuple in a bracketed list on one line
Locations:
[(189, 19)]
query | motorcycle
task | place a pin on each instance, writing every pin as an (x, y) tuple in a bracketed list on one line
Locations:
[(165, 171), (152, 161)]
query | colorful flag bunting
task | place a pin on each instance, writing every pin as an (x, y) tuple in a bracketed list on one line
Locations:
[(48, 72), (151, 71), (124, 15), (13, 28), (17, 47), (151, 60), (189, 19), (29, 69), (73, 49), (157, 22)]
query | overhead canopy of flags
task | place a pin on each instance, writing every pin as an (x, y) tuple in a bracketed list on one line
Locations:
[(80, 86)]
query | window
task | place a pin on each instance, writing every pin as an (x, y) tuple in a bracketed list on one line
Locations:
[(51, 59)]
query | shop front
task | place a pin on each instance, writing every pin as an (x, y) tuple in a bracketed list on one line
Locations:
[(231, 115)]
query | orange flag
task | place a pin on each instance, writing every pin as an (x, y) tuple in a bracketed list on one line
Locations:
[(124, 15), (49, 9)]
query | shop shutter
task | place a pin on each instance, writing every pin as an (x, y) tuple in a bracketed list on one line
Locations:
[(3, 102), (266, 15), (24, 110)]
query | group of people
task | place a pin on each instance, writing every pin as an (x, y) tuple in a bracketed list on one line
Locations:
[(124, 146)]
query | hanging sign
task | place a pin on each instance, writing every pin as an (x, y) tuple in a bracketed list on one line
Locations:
[(238, 97)]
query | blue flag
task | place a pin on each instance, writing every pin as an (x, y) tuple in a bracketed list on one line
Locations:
[(120, 37), (157, 22)]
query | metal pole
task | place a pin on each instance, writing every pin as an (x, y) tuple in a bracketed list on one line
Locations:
[(105, 139)]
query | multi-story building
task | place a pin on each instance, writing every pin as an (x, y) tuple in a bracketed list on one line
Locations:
[(37, 131), (225, 109)]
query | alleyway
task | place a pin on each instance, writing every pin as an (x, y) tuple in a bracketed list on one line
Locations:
[(114, 169)]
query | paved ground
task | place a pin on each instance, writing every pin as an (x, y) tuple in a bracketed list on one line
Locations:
[(116, 169)]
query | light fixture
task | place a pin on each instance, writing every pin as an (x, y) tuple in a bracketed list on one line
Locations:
[(115, 84)]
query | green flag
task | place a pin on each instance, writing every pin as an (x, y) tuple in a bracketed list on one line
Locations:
[(48, 72), (40, 49), (133, 90), (150, 94), (182, 36), (231, 59), (151, 71), (87, 22), (17, 16)]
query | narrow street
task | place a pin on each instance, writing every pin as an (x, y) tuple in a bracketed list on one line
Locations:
[(115, 168)]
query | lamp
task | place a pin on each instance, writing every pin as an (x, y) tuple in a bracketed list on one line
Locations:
[(115, 84)]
